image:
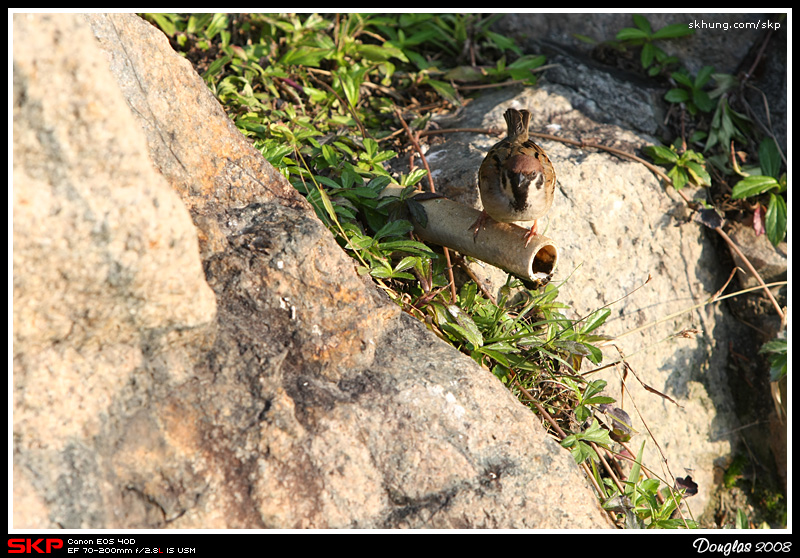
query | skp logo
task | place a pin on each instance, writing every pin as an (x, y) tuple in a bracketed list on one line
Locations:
[(29, 546)]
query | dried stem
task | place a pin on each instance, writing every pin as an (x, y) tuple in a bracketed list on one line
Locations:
[(755, 273), (418, 149)]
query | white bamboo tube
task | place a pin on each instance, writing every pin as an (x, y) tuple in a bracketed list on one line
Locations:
[(499, 244)]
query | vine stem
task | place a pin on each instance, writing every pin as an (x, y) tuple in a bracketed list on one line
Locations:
[(755, 273)]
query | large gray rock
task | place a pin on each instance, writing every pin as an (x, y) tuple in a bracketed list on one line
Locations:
[(272, 387), (105, 269), (616, 225), (609, 89)]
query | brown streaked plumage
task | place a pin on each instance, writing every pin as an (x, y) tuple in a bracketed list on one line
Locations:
[(516, 179)]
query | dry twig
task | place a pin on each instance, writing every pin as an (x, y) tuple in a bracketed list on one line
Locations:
[(412, 137)]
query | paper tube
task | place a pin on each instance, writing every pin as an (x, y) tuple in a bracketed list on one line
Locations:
[(499, 244)]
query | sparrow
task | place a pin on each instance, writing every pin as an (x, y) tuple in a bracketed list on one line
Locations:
[(516, 179)]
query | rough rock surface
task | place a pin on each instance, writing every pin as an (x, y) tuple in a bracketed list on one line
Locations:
[(615, 225), (250, 379)]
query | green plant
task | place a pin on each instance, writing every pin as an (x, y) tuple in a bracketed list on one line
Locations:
[(691, 92), (687, 166), (652, 57), (768, 504), (520, 69), (734, 471), (726, 125), (643, 503), (767, 182), (777, 352), (579, 443), (462, 37), (587, 396), (655, 512)]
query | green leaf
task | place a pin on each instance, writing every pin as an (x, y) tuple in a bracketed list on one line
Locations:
[(661, 154), (600, 400), (769, 158), (216, 67), (358, 241), (527, 62), (413, 177), (378, 183), (327, 181), (776, 219), (582, 451), (724, 83), (574, 347), (381, 271), (775, 346), (499, 356), (381, 53), (726, 125), (595, 433), (444, 89), (502, 42), (464, 326), (631, 34), (678, 177), (165, 21), (642, 23), (698, 173), (410, 246), (394, 228), (464, 73), (598, 436), (633, 476), (595, 354), (703, 76), (593, 388), (677, 95), (648, 54), (360, 193), (702, 100), (584, 38), (326, 202), (218, 23), (683, 79), (303, 56), (777, 354), (331, 156), (350, 80), (753, 186), (673, 31), (197, 22), (741, 520), (275, 152), (649, 487), (582, 413), (596, 319)]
